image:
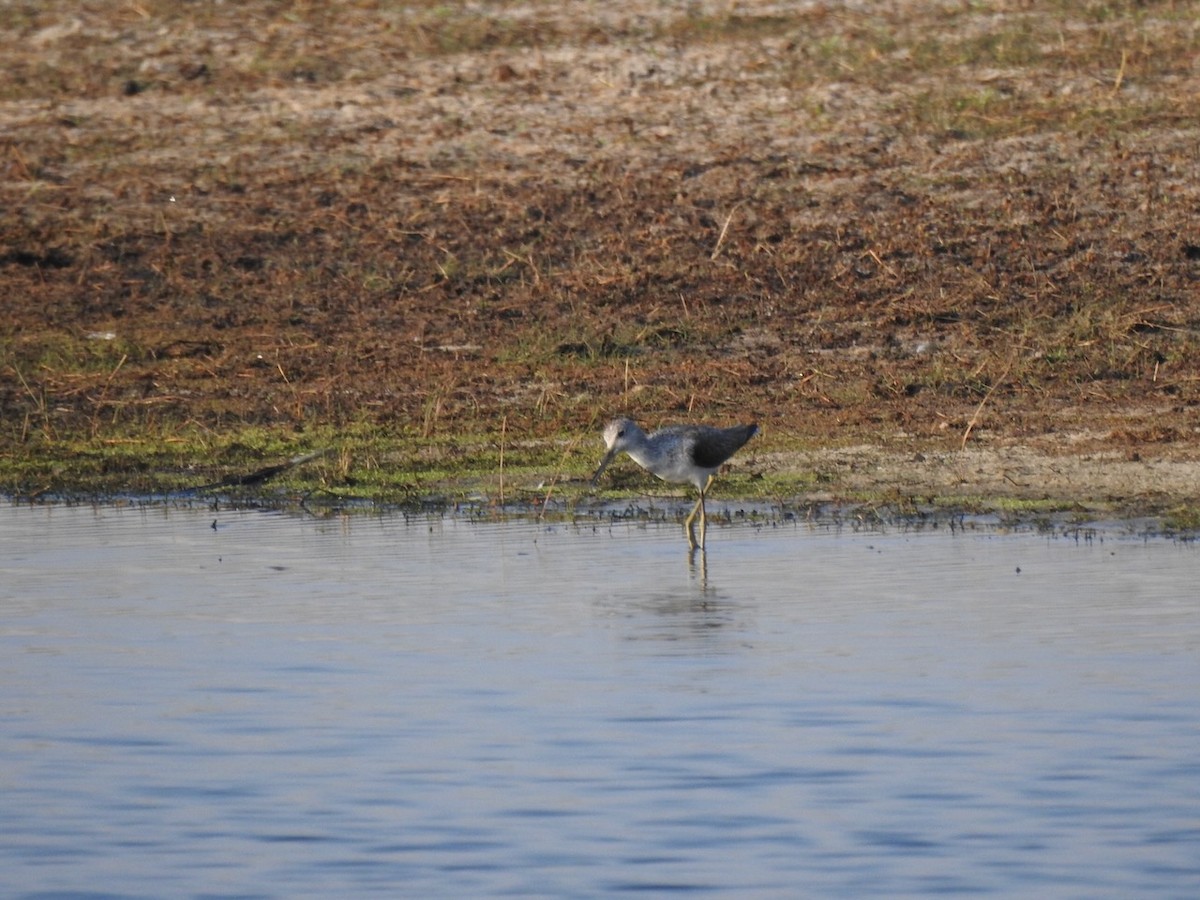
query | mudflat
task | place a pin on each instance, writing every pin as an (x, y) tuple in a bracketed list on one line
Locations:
[(941, 252)]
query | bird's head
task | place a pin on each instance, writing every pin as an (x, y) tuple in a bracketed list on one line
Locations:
[(618, 435)]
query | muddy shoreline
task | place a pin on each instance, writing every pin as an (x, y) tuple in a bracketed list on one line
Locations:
[(943, 254)]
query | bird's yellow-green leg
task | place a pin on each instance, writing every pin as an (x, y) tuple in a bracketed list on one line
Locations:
[(703, 512), (687, 524), (698, 508)]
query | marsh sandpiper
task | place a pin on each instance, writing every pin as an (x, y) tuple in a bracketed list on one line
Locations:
[(682, 454)]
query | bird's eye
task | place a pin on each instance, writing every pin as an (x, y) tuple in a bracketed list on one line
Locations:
[(621, 433)]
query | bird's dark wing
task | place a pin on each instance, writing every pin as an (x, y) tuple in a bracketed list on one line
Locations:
[(713, 446)]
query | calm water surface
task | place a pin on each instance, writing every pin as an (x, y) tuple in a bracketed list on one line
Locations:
[(287, 707)]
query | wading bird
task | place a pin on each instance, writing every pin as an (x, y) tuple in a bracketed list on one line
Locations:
[(682, 454)]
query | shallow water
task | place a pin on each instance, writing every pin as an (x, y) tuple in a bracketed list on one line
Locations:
[(284, 706)]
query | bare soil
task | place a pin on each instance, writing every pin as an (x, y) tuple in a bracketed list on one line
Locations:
[(935, 249)]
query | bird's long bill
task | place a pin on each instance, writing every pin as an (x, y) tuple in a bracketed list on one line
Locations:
[(608, 457)]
